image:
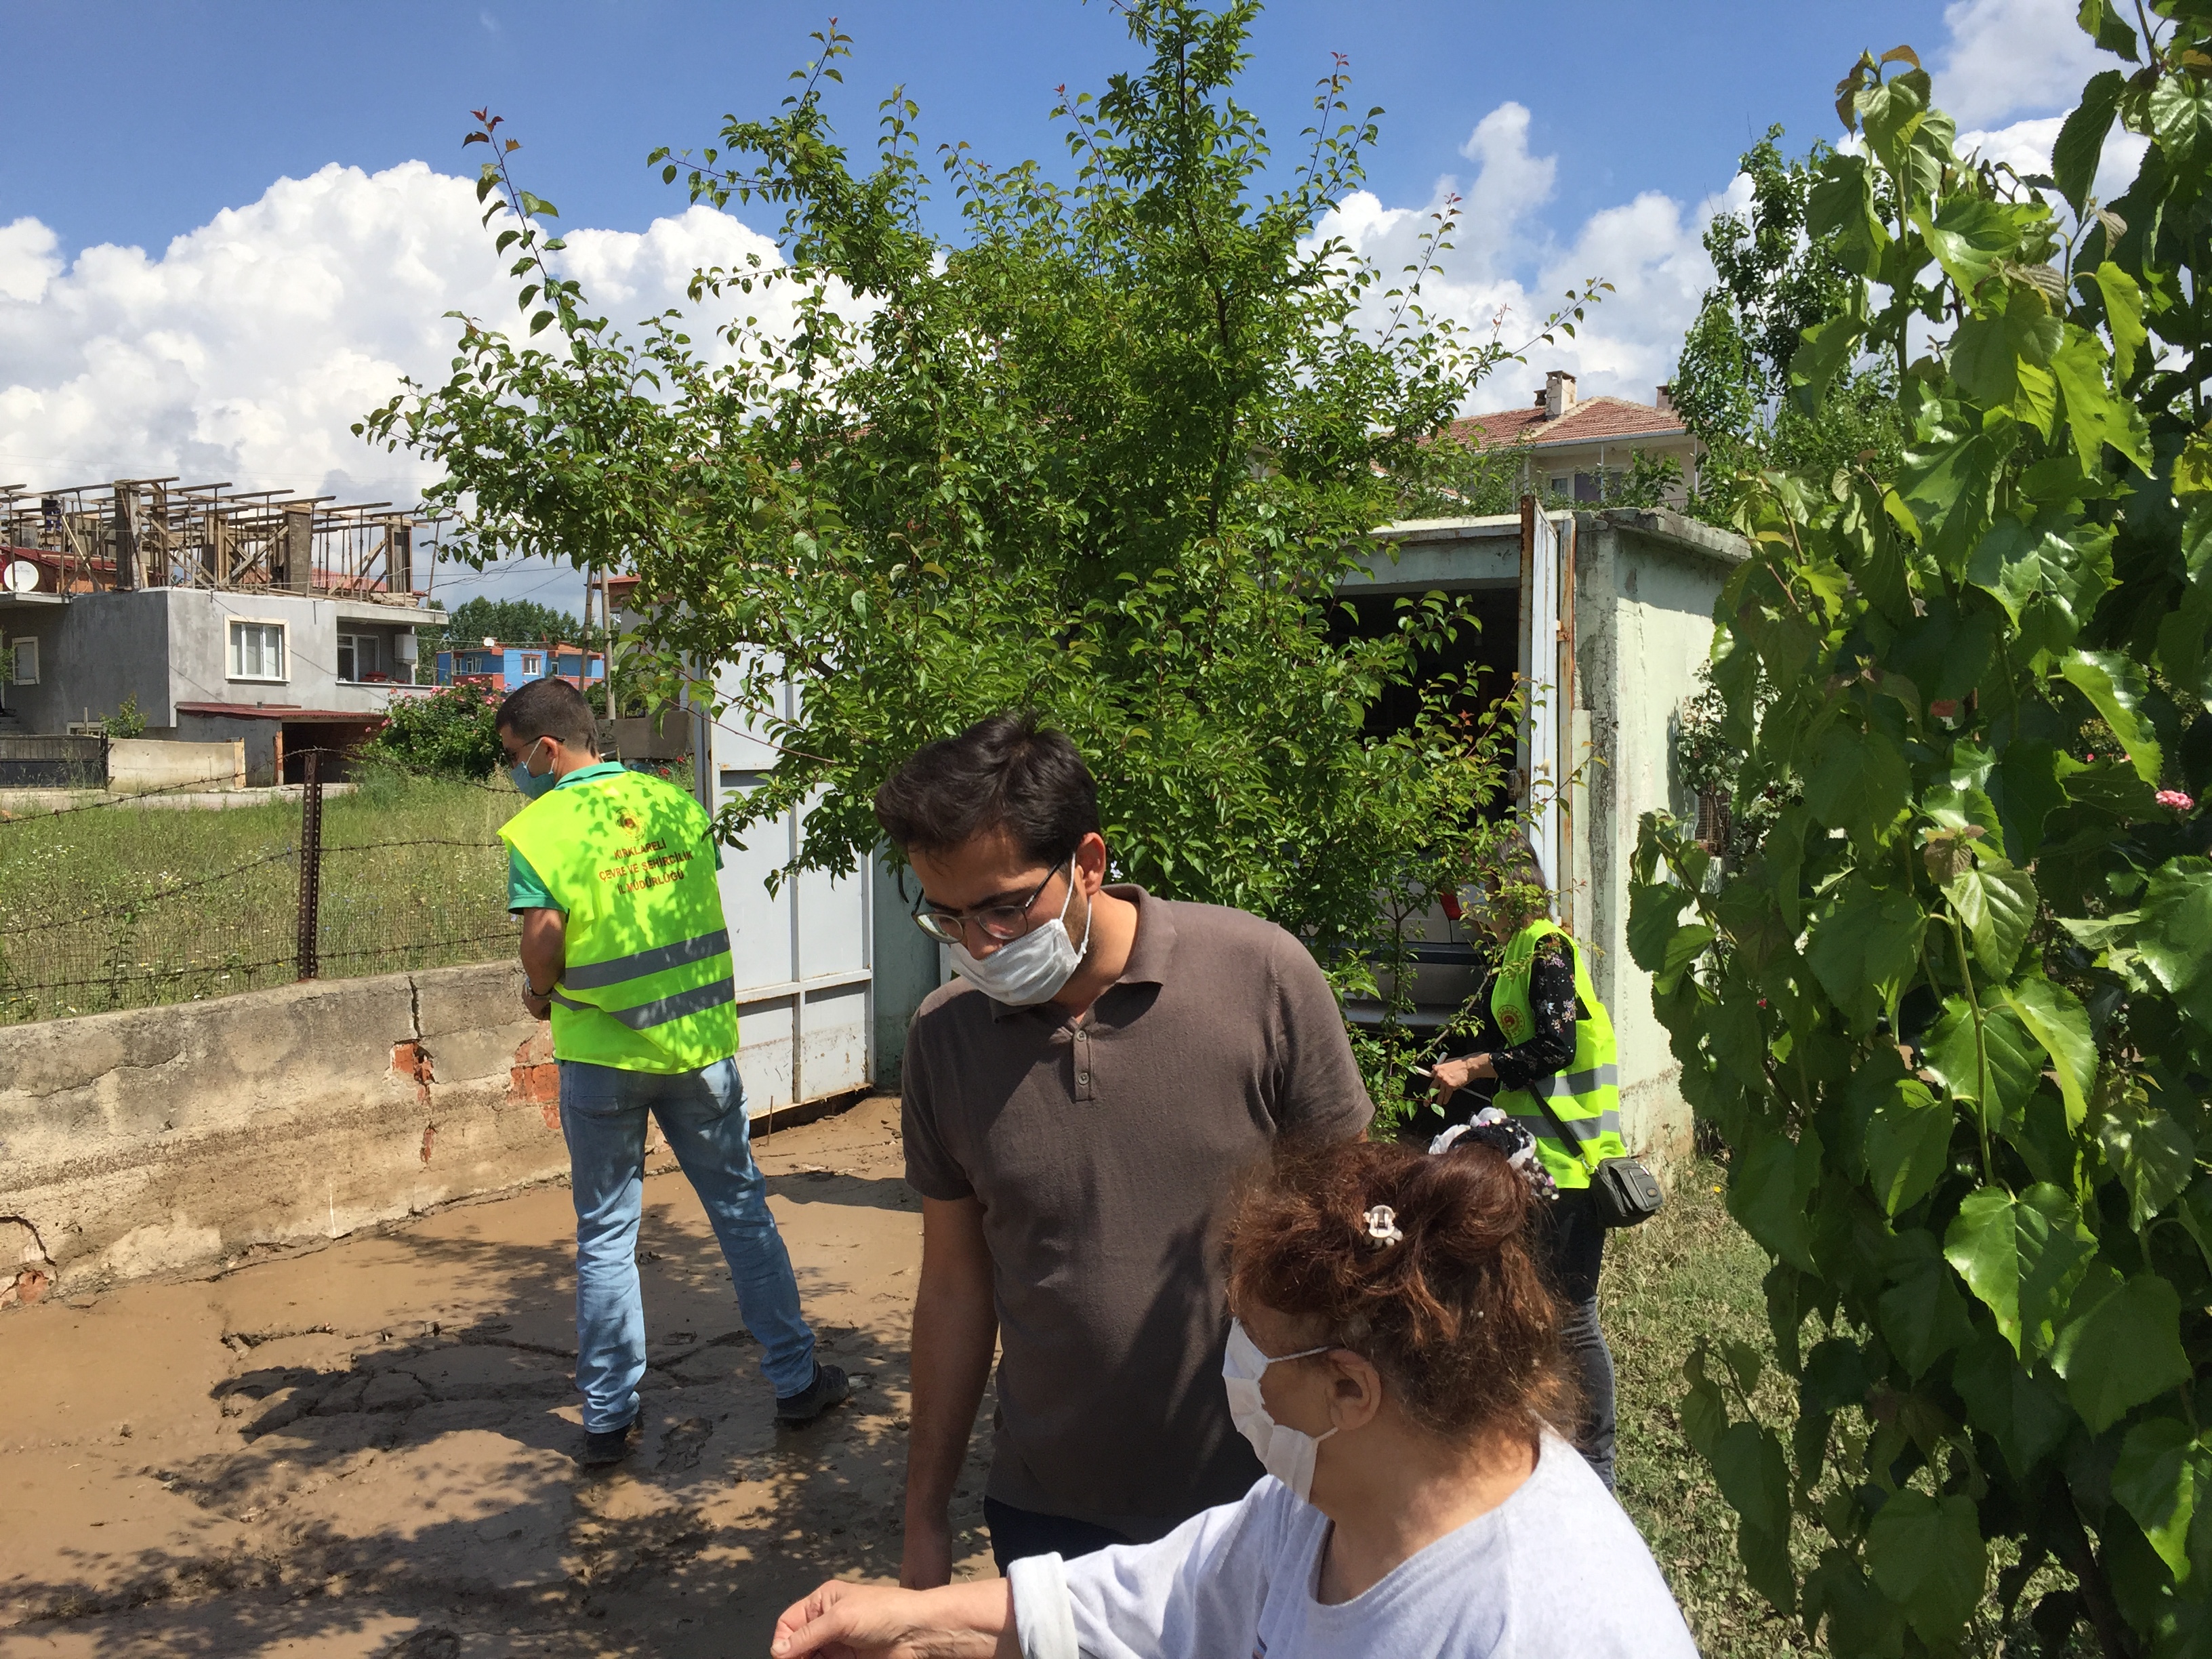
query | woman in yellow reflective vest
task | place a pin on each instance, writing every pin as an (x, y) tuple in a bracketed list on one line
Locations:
[(1547, 1041)]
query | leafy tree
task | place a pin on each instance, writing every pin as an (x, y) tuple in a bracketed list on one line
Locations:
[(1775, 281), (1955, 1019), (1107, 457), (449, 734), (511, 622)]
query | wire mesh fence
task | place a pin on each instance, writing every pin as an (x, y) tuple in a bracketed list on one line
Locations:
[(119, 902)]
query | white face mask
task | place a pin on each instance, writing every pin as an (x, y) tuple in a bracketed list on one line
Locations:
[(1286, 1453), (1026, 971)]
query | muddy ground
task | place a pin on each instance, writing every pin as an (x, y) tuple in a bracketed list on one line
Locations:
[(368, 1448)]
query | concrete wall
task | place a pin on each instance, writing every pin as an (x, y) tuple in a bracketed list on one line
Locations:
[(1645, 585), (199, 662), (181, 1138), (171, 645), (94, 651), (137, 763), (258, 737)]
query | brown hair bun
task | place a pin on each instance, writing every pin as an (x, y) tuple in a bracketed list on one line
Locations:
[(1456, 1315)]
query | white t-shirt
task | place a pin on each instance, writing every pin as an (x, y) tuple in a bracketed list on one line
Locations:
[(1556, 1569)]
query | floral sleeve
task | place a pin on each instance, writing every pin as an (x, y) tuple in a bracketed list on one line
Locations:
[(1551, 1045)]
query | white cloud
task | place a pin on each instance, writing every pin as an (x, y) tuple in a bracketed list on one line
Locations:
[(1506, 270), (246, 350), (2025, 146), (2009, 56), (28, 261)]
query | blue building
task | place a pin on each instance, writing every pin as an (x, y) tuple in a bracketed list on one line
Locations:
[(503, 667)]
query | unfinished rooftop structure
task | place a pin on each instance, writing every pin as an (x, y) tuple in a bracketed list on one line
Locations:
[(155, 532), (285, 620)]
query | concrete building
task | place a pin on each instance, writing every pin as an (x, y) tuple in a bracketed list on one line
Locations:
[(1607, 615), (1575, 449), (289, 624)]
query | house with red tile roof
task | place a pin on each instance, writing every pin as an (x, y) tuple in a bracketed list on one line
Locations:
[(1574, 446)]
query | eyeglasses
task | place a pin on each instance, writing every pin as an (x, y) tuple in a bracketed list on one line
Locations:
[(998, 921)]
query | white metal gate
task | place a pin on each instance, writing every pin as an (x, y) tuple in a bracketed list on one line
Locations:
[(1547, 670), (804, 955)]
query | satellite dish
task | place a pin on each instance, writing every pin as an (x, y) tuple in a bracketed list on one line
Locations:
[(490, 644), (20, 576)]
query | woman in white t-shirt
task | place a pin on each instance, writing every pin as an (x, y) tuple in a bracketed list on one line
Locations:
[(1397, 1367)]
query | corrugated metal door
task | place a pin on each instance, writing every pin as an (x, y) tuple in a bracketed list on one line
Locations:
[(803, 954)]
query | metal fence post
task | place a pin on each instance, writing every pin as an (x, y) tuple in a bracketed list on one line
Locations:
[(311, 860)]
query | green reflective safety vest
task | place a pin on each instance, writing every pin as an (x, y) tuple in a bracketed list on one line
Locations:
[(648, 984), (1586, 1096)]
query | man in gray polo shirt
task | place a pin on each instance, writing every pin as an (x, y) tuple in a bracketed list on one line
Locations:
[(1076, 1106)]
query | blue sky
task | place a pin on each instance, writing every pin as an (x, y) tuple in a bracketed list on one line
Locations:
[(226, 230), (215, 101)]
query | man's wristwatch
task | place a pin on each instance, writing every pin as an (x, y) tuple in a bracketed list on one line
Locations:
[(542, 996)]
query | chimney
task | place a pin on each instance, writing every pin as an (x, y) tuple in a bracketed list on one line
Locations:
[(1559, 393), (1539, 398), (1665, 404)]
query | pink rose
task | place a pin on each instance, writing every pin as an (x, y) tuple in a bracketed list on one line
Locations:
[(2176, 799)]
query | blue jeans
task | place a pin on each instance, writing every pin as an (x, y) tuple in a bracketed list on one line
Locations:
[(703, 1114)]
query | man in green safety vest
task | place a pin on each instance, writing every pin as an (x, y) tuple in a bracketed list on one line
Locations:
[(1548, 1035), (624, 946)]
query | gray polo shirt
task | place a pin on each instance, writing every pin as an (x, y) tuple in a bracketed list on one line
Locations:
[(1101, 1151)]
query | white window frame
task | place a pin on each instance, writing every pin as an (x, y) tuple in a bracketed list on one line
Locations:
[(353, 642), (22, 650), (234, 653), (533, 662)]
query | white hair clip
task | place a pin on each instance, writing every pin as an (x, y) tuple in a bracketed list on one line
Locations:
[(1382, 1226)]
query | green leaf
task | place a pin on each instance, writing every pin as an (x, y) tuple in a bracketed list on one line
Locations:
[(1968, 235), (1766, 1566), (2175, 938), (1949, 489), (2123, 313), (1997, 904), (2094, 415), (2101, 20), (2124, 1349), (2115, 686), (1769, 1188), (2022, 1257), (1826, 349), (1908, 1146), (1865, 949), (2181, 117), (2024, 1410), (2154, 1156), (1655, 914), (2014, 1060), (1754, 1477), (1743, 1363), (2020, 566), (1927, 1554), (1923, 1316), (2162, 1472), (2081, 143), (1705, 1416), (1987, 352), (2056, 1018), (1858, 782)]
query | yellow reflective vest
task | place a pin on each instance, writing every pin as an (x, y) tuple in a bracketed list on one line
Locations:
[(1586, 1096), (648, 985)]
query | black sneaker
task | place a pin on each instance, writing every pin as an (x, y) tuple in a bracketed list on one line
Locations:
[(830, 1387), (604, 1446)]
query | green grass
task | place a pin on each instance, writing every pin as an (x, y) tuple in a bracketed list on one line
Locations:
[(1690, 1272), (125, 907)]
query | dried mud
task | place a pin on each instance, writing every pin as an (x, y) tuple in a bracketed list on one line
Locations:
[(369, 1449)]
